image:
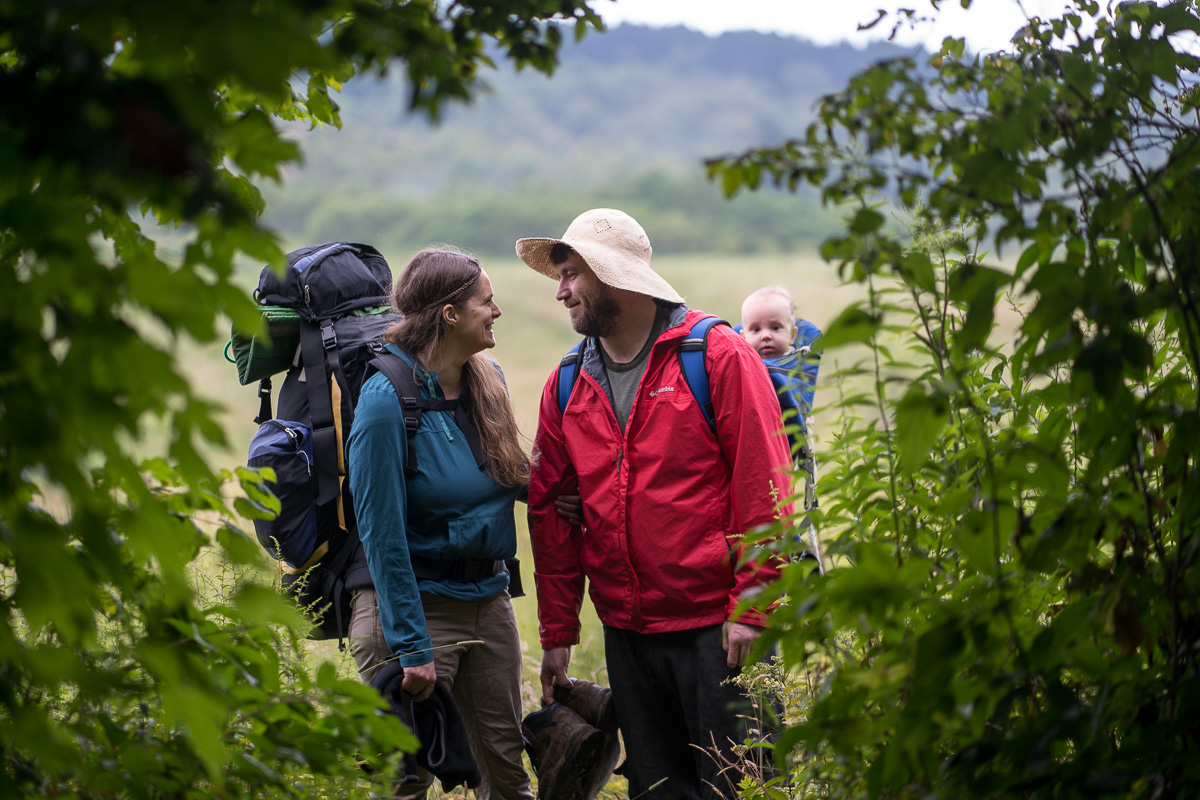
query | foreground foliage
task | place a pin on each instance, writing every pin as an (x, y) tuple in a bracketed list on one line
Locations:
[(116, 677), (1017, 508)]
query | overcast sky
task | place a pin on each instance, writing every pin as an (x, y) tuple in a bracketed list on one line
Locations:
[(988, 25)]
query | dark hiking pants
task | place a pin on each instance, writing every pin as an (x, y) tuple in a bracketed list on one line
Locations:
[(678, 714)]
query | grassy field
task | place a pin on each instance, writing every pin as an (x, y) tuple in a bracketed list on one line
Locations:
[(532, 334)]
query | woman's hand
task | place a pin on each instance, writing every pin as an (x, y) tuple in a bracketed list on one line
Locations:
[(418, 682)]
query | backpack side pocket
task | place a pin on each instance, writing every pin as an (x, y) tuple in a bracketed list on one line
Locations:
[(287, 448)]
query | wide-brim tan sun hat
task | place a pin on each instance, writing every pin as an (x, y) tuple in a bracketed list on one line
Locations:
[(613, 244)]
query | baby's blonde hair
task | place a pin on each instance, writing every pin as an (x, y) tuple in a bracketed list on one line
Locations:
[(771, 291)]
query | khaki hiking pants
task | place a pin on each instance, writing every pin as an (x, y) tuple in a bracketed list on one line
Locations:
[(484, 678)]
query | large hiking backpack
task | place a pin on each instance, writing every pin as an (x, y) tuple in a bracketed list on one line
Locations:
[(325, 317)]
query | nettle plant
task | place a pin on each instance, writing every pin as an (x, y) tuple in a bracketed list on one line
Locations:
[(1012, 504)]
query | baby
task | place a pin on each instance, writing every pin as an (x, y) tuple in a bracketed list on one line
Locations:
[(770, 325), (769, 321)]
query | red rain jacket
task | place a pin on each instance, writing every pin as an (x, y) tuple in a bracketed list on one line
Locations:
[(664, 502)]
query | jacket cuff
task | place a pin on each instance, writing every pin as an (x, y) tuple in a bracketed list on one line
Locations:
[(423, 654), (564, 639), (749, 616)]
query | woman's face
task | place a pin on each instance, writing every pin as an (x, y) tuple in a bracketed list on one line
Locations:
[(473, 330)]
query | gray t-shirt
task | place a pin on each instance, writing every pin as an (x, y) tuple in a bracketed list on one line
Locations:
[(623, 379)]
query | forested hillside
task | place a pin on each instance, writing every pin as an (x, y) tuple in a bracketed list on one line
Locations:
[(626, 120)]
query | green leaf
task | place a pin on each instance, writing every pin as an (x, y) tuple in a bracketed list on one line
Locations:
[(240, 548), (853, 326), (319, 103), (920, 419), (257, 148), (865, 221), (917, 268), (731, 179), (260, 605), (976, 286)]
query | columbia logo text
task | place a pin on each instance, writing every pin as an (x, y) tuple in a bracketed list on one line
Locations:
[(662, 389)]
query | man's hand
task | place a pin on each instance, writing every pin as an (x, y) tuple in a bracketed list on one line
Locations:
[(554, 671), (737, 639), (418, 682), (570, 508)]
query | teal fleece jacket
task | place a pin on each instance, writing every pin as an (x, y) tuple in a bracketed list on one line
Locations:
[(451, 509)]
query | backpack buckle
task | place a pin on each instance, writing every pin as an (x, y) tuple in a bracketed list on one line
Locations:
[(328, 336)]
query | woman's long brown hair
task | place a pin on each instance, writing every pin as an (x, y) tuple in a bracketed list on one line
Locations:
[(432, 279)]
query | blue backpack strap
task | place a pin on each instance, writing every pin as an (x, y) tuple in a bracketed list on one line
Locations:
[(568, 372), (692, 351)]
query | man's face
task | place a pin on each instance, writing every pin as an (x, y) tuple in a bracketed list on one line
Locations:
[(592, 305)]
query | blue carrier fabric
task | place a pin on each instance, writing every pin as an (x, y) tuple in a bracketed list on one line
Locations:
[(795, 379)]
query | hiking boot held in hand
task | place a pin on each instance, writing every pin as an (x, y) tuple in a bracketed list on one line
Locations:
[(565, 752), (590, 701)]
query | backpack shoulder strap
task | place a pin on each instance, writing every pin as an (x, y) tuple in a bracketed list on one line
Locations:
[(413, 405), (468, 430), (692, 352), (318, 342), (568, 372)]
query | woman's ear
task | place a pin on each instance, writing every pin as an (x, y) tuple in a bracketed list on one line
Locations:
[(449, 314)]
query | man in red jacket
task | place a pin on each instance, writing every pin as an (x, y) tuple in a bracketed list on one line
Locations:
[(665, 504)]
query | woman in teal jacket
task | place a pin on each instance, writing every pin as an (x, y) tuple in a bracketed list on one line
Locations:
[(436, 541)]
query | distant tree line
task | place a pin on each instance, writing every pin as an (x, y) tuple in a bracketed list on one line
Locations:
[(685, 215), (626, 121)]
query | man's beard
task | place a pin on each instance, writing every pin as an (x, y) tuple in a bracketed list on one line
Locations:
[(600, 314)]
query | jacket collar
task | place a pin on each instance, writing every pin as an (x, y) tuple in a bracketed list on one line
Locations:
[(593, 363)]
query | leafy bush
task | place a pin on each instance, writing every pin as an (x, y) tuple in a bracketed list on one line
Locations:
[(117, 677), (1015, 517)]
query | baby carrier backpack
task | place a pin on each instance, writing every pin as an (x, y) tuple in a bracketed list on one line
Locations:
[(795, 378)]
